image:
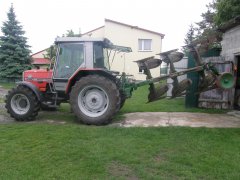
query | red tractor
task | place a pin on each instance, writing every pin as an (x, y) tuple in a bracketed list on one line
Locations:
[(82, 77)]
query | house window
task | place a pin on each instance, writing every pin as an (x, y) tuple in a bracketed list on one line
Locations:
[(144, 44)]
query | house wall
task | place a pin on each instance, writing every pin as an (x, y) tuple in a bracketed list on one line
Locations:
[(128, 36), (231, 44)]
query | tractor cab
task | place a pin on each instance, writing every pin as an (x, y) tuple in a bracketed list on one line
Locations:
[(77, 54), (74, 53)]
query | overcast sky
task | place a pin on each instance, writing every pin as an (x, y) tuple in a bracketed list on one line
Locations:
[(43, 20)]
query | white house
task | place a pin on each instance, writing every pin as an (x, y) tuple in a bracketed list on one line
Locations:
[(144, 43)]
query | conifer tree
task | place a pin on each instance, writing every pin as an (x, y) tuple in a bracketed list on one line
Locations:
[(14, 51)]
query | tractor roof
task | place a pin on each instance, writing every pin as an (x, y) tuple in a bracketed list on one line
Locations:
[(107, 43), (78, 39)]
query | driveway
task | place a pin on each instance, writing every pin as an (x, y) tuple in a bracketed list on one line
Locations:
[(154, 119)]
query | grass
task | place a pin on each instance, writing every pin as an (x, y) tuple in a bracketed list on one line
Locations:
[(138, 103), (75, 151), (7, 85), (41, 151)]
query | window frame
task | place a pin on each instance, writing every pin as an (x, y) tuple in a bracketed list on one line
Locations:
[(143, 45), (55, 76)]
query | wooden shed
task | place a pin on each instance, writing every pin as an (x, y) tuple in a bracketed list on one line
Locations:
[(229, 61)]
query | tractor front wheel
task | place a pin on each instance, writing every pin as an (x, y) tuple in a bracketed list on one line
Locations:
[(95, 99), (22, 104)]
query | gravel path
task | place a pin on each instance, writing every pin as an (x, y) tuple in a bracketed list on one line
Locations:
[(4, 117), (3, 92)]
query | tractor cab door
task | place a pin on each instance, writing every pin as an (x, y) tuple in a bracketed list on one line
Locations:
[(70, 57)]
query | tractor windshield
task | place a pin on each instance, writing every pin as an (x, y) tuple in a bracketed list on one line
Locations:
[(70, 58)]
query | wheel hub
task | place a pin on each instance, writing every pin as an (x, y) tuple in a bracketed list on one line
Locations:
[(23, 103), (93, 101), (20, 104)]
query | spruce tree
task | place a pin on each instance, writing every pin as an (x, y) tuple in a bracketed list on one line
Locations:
[(189, 38), (14, 51)]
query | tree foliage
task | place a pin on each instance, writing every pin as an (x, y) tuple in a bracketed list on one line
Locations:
[(189, 38), (14, 51), (70, 33), (226, 10), (205, 33)]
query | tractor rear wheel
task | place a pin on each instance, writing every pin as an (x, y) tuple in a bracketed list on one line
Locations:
[(22, 104), (95, 99)]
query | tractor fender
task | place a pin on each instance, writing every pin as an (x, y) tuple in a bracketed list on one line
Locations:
[(86, 72), (32, 87)]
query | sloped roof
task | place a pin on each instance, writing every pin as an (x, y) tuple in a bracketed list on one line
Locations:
[(135, 27), (123, 24), (39, 52), (93, 30), (41, 61)]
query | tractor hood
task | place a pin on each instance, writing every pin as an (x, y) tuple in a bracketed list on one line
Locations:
[(38, 77), (37, 74)]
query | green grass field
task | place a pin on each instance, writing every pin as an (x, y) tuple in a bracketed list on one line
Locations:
[(42, 151), (138, 103), (75, 151), (7, 85)]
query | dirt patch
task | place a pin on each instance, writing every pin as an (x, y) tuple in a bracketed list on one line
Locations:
[(118, 170), (4, 116), (3, 92), (48, 121), (159, 158)]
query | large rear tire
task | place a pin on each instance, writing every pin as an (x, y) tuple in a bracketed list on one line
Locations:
[(22, 104), (95, 99)]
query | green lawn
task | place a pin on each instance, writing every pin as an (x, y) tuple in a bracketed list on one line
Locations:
[(138, 103), (7, 85), (75, 151), (43, 151)]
